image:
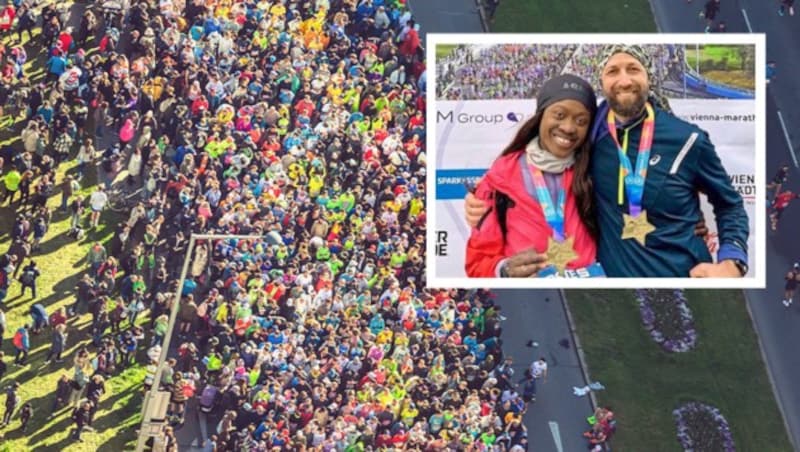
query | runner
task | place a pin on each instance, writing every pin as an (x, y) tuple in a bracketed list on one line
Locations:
[(779, 204), (772, 68), (710, 11), (786, 5), (778, 181), (791, 284)]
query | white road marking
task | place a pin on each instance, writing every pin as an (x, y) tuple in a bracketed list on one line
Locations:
[(556, 436), (788, 140), (747, 21)]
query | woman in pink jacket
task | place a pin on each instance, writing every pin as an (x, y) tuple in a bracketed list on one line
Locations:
[(539, 193)]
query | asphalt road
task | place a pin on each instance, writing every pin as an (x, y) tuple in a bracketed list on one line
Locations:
[(775, 325), (538, 316), (446, 16)]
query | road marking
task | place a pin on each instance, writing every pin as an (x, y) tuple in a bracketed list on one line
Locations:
[(788, 140), (556, 436), (747, 21)]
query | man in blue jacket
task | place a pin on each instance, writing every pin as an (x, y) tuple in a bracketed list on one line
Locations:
[(682, 161), (646, 189)]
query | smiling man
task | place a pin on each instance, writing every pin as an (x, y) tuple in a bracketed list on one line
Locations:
[(647, 167)]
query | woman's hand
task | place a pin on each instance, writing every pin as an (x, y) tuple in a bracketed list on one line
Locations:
[(525, 264)]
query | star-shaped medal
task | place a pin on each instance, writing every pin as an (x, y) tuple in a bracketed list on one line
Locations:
[(559, 254), (637, 227)]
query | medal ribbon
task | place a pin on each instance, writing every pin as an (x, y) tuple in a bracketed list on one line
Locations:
[(537, 189), (634, 181)]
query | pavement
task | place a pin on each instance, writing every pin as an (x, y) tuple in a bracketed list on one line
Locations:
[(775, 325), (446, 16), (558, 418)]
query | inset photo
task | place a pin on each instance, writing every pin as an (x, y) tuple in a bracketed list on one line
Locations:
[(596, 161)]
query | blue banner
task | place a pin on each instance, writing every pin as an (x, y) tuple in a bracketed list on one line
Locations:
[(450, 182)]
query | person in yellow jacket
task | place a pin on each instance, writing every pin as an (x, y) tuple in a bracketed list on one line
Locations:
[(415, 207), (362, 126), (384, 337), (376, 70), (282, 126), (215, 147), (277, 10), (352, 98), (384, 397), (11, 184), (296, 171), (223, 8), (381, 103), (315, 184), (221, 315), (409, 413), (260, 39)]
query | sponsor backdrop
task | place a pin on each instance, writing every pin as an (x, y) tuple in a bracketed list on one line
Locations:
[(470, 134)]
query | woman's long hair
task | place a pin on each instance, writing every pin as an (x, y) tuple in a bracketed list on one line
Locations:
[(581, 181)]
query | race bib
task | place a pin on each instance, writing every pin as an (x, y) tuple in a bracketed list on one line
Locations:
[(592, 271)]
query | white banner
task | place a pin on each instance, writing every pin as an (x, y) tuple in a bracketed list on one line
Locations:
[(471, 134)]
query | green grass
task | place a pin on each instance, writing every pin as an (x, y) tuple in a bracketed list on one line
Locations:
[(644, 384), (574, 16), (724, 64), (62, 261), (442, 50), (716, 53)]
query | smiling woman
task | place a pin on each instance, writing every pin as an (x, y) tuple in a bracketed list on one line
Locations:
[(564, 123), (541, 175)]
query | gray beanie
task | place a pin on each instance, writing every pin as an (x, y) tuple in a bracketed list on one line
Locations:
[(566, 86)]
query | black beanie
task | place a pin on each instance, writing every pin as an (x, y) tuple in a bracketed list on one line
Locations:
[(566, 86)]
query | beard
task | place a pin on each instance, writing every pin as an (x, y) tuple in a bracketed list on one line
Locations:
[(629, 108)]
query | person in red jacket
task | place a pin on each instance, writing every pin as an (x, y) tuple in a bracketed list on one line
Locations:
[(541, 219), (779, 204), (410, 43), (7, 18)]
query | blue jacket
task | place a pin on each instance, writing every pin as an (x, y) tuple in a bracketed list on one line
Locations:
[(57, 65), (38, 312), (683, 161)]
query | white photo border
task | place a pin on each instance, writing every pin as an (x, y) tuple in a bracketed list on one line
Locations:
[(756, 278)]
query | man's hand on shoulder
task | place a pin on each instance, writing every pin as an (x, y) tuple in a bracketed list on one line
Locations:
[(474, 209)]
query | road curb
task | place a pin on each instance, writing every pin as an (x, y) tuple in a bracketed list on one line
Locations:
[(578, 348), (482, 14), (775, 392)]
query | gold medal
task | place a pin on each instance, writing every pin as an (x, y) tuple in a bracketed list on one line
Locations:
[(559, 254), (637, 227)]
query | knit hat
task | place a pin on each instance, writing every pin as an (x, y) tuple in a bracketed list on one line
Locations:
[(566, 86)]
